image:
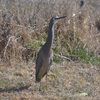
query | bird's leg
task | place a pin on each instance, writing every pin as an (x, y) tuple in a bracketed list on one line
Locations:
[(46, 80), (40, 85)]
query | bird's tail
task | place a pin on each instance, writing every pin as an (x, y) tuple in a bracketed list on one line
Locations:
[(37, 79)]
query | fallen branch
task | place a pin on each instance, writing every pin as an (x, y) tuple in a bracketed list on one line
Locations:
[(63, 57), (5, 49)]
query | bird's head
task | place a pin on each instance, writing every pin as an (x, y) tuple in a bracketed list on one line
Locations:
[(56, 18)]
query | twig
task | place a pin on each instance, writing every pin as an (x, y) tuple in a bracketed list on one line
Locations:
[(63, 57), (5, 49)]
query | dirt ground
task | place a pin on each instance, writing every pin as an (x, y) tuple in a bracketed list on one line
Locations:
[(66, 81)]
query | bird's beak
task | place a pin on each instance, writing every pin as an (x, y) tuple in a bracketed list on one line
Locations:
[(61, 17)]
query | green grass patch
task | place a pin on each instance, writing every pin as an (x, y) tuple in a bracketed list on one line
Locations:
[(2, 70), (76, 50), (1, 82), (81, 52)]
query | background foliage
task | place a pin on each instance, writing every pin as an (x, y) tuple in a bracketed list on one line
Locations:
[(24, 26)]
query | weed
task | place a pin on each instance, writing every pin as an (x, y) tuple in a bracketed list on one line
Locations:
[(1, 82), (2, 71)]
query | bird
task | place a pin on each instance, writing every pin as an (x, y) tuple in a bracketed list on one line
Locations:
[(81, 3), (45, 54)]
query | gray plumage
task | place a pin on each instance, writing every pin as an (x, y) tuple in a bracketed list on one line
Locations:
[(44, 57)]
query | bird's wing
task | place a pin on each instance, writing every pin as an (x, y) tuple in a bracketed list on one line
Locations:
[(39, 63)]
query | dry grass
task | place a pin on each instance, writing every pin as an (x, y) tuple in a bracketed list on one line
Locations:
[(23, 28), (66, 81)]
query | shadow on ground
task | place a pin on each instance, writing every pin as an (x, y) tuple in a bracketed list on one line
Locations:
[(14, 89)]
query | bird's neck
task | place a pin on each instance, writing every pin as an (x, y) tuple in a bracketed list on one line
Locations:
[(50, 37)]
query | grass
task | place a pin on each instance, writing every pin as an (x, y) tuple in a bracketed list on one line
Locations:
[(29, 29), (1, 82), (76, 51), (67, 80), (75, 75), (2, 71), (86, 56)]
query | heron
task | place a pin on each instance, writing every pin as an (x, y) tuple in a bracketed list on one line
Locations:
[(45, 54)]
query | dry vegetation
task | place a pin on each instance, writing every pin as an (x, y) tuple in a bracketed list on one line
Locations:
[(66, 81), (23, 28)]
